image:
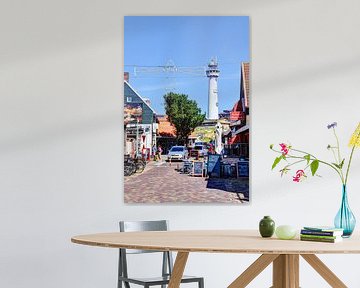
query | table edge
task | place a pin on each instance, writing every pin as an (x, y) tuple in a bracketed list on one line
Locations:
[(206, 250)]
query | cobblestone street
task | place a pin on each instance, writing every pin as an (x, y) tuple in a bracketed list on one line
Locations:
[(162, 183)]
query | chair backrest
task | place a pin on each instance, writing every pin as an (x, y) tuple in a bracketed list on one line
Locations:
[(137, 226), (134, 226)]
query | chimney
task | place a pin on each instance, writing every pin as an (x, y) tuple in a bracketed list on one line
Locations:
[(126, 76)]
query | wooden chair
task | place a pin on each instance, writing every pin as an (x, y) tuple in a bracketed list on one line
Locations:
[(167, 262)]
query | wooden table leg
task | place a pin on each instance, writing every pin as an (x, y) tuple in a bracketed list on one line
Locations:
[(178, 270), (324, 271), (286, 271), (253, 270)]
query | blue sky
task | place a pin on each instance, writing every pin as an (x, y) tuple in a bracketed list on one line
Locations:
[(186, 41)]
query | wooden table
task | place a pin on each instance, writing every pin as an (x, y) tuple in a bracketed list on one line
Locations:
[(284, 254)]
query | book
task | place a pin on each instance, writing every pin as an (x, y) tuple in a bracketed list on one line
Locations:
[(325, 240), (322, 230), (320, 237), (321, 233)]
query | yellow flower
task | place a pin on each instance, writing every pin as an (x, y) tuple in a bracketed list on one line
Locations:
[(355, 137)]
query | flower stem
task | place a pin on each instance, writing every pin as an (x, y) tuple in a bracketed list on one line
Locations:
[(351, 155), (338, 171), (337, 145), (339, 156), (304, 152), (312, 158), (333, 152), (296, 162), (348, 167), (320, 161)]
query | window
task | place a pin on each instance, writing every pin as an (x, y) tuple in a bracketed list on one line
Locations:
[(128, 99)]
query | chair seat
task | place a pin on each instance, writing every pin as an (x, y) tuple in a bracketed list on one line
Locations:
[(158, 280)]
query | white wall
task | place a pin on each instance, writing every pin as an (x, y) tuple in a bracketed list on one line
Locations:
[(61, 132)]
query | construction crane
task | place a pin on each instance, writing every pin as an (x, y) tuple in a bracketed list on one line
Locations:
[(169, 72)]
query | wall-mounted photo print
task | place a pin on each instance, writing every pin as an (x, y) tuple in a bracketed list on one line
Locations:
[(186, 109)]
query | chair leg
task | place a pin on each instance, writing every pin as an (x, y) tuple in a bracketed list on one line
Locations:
[(119, 270), (201, 283)]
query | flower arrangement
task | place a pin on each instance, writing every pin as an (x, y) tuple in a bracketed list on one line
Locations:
[(344, 219), (293, 156)]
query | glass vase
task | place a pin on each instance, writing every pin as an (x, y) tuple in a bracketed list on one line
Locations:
[(345, 219)]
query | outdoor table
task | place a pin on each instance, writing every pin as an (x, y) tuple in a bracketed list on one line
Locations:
[(284, 254)]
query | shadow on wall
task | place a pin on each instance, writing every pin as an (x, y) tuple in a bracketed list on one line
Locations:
[(56, 134), (311, 74)]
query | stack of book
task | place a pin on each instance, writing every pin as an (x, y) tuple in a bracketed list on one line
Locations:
[(321, 234)]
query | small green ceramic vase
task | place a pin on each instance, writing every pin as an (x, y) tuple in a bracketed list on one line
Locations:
[(266, 226)]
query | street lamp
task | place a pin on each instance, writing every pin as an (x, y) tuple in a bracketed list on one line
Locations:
[(137, 137)]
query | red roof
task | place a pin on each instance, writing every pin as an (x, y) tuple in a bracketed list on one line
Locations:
[(237, 115), (237, 112)]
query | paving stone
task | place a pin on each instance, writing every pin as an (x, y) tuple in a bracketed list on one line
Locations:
[(162, 183)]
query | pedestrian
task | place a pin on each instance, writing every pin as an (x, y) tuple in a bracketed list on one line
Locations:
[(154, 152), (144, 152), (211, 149), (159, 152)]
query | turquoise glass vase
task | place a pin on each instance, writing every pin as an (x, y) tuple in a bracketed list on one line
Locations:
[(345, 219)]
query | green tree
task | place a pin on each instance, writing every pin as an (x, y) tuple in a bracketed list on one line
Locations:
[(184, 114)]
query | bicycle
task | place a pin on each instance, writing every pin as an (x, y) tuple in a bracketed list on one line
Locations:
[(132, 166), (129, 166), (140, 164)]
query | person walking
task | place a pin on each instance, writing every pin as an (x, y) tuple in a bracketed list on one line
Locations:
[(159, 152), (154, 152), (144, 153)]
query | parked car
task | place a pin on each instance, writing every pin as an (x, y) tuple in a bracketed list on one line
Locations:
[(178, 153), (202, 148)]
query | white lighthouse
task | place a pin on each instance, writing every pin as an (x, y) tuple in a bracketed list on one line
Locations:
[(213, 73)]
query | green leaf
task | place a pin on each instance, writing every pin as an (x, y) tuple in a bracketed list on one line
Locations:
[(307, 157), (342, 163), (336, 165), (314, 166), (271, 146), (339, 166), (276, 161)]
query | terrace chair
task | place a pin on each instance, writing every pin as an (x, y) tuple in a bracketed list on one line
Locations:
[(167, 262)]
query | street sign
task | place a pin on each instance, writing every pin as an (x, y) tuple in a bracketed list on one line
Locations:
[(194, 153), (214, 165), (243, 168), (198, 167)]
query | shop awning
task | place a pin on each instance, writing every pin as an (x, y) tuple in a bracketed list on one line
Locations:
[(242, 129)]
